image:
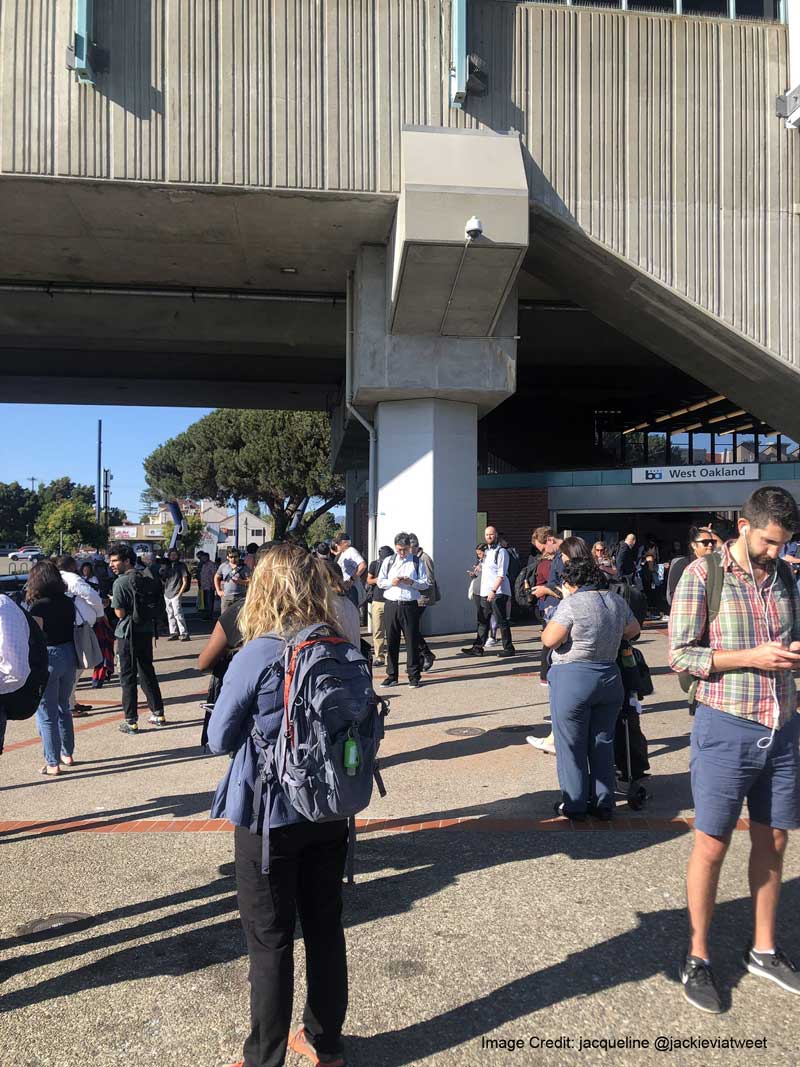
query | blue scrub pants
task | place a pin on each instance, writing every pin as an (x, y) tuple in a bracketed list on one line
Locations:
[(585, 700)]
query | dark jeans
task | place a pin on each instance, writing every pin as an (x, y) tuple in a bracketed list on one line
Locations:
[(136, 663), (306, 865), (498, 607), (402, 617)]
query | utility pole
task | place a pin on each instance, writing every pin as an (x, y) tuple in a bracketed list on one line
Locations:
[(236, 528), (108, 477), (31, 480), (99, 467)]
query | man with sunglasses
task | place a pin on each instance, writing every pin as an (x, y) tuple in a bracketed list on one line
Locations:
[(735, 627)]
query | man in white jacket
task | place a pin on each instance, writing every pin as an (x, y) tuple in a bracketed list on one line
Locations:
[(88, 608)]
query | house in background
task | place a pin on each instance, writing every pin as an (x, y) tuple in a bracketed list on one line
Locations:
[(251, 528)]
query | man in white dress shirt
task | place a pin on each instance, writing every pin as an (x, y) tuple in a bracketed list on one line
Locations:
[(352, 565), (14, 654), (403, 579), (495, 592)]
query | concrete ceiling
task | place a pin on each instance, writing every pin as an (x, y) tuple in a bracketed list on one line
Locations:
[(122, 233)]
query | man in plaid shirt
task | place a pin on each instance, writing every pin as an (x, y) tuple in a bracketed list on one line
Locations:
[(746, 729)]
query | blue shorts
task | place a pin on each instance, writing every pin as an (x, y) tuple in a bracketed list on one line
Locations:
[(727, 765)]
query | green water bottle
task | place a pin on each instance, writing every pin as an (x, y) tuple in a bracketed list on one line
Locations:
[(351, 759)]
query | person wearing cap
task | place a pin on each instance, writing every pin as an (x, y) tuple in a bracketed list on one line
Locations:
[(404, 580), (352, 564), (377, 607), (427, 600)]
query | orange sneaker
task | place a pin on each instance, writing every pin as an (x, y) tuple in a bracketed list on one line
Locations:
[(299, 1043)]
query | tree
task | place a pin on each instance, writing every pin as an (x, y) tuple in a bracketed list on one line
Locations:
[(19, 509), (70, 524), (324, 529), (116, 517), (254, 508), (65, 489), (191, 539), (148, 502), (274, 457)]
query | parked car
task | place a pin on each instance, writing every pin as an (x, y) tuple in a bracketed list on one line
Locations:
[(32, 553), (7, 548)]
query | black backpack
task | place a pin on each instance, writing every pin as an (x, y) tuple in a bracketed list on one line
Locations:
[(147, 598), (22, 703)]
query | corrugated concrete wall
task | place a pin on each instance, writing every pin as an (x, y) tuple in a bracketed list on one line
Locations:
[(280, 93), (655, 135)]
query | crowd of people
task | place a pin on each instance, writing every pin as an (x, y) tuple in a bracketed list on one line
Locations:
[(734, 635)]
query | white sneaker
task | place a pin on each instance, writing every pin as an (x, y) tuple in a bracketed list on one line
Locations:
[(490, 642)]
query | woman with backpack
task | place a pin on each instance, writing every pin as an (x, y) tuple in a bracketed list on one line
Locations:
[(288, 591), (586, 690), (47, 601)]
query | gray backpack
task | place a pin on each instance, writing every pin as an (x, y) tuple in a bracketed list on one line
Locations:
[(331, 716)]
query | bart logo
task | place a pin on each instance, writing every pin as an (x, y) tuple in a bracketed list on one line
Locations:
[(653, 476)]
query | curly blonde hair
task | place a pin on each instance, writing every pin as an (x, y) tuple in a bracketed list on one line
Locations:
[(289, 589)]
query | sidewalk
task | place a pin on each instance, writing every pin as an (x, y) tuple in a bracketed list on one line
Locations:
[(508, 925)]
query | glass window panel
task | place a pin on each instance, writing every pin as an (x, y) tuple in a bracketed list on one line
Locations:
[(634, 449), (768, 448), (790, 450), (701, 447), (756, 9), (680, 448), (656, 448), (745, 448), (705, 7), (610, 445), (723, 447)]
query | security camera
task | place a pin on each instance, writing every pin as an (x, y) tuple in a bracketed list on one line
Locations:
[(473, 229)]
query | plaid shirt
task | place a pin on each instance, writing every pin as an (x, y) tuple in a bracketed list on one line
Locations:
[(739, 625)]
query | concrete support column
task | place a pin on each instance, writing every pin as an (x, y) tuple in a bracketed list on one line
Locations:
[(427, 482)]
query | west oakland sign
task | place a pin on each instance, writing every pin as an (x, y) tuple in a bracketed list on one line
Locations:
[(712, 472)]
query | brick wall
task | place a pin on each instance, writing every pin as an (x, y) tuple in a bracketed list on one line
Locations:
[(515, 512)]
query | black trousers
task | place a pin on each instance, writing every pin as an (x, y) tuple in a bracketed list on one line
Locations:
[(498, 606), (306, 865), (402, 617), (423, 649), (136, 664)]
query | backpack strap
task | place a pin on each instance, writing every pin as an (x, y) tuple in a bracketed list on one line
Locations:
[(715, 580)]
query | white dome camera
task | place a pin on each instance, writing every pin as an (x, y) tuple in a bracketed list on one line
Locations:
[(473, 229)]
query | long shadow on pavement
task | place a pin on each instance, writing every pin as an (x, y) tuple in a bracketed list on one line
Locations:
[(652, 947)]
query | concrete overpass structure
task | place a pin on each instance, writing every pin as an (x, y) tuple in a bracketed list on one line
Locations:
[(264, 204)]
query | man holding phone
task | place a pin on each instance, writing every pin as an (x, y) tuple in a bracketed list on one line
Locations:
[(745, 735), (403, 579)]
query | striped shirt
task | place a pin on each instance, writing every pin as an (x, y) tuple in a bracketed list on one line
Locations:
[(740, 624)]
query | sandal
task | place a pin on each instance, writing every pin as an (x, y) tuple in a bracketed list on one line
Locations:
[(68, 761), (50, 772), (541, 744), (299, 1043)]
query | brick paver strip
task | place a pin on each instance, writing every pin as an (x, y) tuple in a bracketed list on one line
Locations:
[(621, 824)]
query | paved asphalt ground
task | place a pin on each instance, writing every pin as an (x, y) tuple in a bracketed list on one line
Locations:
[(509, 926)]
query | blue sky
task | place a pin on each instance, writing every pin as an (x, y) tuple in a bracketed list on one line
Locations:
[(47, 441)]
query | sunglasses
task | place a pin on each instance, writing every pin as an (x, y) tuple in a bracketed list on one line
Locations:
[(706, 541)]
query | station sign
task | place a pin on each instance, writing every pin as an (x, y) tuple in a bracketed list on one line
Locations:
[(709, 472)]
